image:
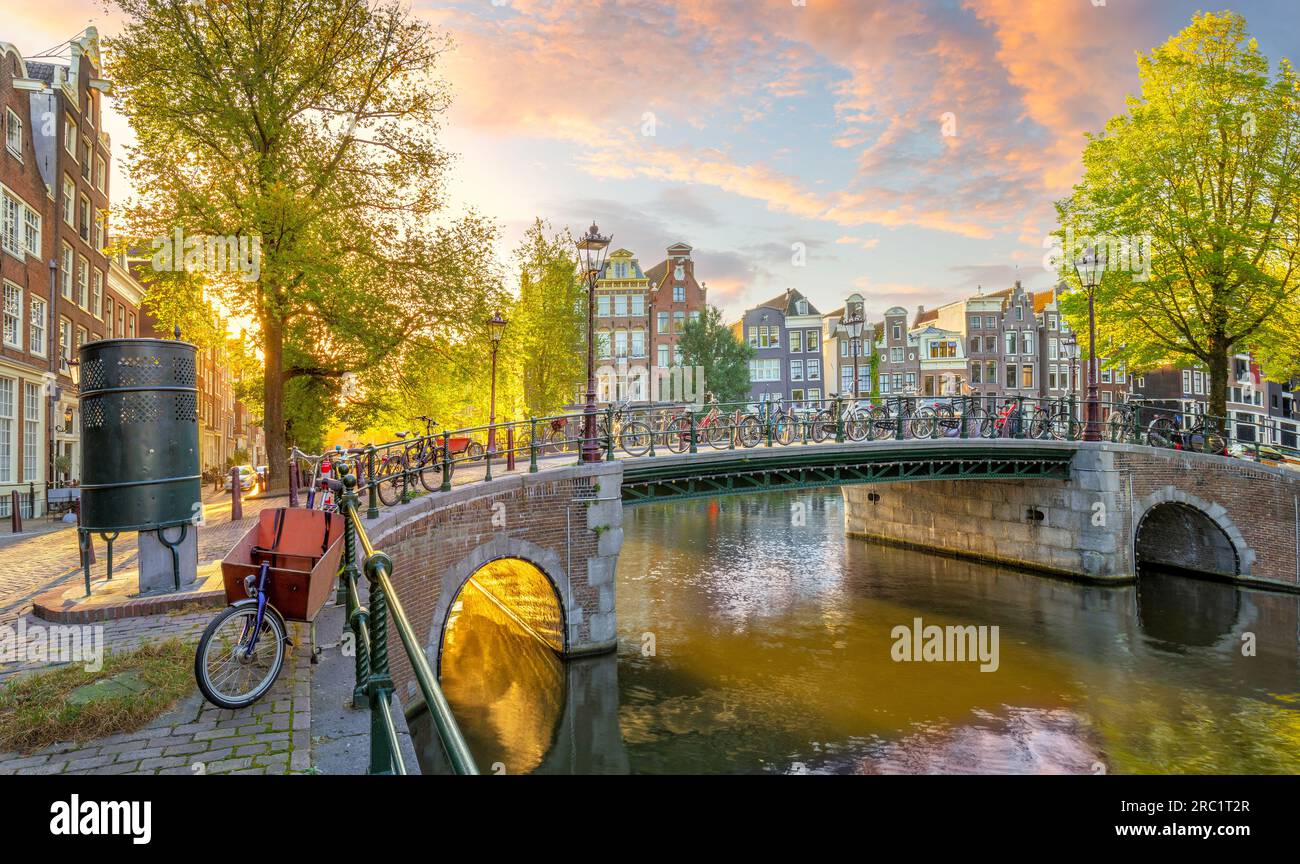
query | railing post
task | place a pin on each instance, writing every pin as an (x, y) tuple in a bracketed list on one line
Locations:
[(767, 423), (356, 616), (965, 433), (690, 417), (293, 481), (1020, 418), (83, 540), (487, 461), (839, 419), (532, 445), (900, 430), (510, 446), (1073, 427), (653, 432), (372, 488), (609, 433), (380, 684), (446, 462), (108, 543)]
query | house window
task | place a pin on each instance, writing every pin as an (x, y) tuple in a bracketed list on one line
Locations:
[(13, 315), (663, 356), (638, 304), (813, 341), (796, 370), (898, 332), (796, 341), (66, 276), (1012, 372), (975, 321), (11, 214), (86, 159), (83, 226), (65, 338), (1187, 381), (70, 136), (32, 232), (97, 292), (36, 337), (1027, 376), (602, 343), (14, 133), (974, 344), (679, 293), (121, 331), (101, 170), (1010, 342), (69, 201), (1027, 343), (679, 321), (846, 379), (992, 376), (99, 230), (620, 343), (602, 305), (620, 305), (83, 281), (638, 343), (975, 374), (6, 430), (663, 322), (814, 369), (990, 344), (31, 430), (765, 370), (895, 355)]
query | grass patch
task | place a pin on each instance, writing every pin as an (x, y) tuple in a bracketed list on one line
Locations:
[(35, 710)]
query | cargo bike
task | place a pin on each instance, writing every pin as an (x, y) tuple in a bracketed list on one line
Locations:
[(282, 570)]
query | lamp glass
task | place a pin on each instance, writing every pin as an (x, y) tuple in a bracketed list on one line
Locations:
[(496, 328)]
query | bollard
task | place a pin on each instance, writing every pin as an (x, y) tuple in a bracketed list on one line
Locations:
[(532, 445), (510, 447), (372, 486), (236, 500), (15, 517)]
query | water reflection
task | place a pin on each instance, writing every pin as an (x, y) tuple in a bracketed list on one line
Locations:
[(772, 654)]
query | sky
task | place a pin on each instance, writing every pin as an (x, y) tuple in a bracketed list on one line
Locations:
[(908, 150)]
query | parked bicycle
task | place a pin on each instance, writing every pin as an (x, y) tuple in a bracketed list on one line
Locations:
[(630, 435)]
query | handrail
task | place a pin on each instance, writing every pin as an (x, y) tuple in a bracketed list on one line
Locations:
[(374, 681)]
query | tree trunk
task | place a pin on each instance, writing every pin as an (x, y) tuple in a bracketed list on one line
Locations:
[(277, 446), (1219, 362)]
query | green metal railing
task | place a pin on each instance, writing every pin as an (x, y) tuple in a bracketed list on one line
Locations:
[(374, 682)]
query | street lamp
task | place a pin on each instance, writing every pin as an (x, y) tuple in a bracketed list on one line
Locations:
[(1090, 268), (853, 325), (496, 329), (591, 248)]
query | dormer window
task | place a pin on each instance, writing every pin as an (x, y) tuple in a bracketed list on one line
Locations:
[(801, 306)]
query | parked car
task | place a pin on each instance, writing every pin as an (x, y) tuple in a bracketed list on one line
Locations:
[(247, 478)]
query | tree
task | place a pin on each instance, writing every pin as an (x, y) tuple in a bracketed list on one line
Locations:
[(306, 130), (1205, 168), (548, 324), (724, 359)]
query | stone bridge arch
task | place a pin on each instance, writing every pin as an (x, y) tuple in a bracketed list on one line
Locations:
[(1183, 531)]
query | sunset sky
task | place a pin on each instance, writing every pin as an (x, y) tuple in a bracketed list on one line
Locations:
[(775, 124)]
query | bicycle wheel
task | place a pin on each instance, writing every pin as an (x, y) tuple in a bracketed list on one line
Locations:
[(1118, 425), (783, 431), (822, 425), (1208, 439), (430, 473), (1040, 425), (978, 423), (946, 418), (883, 426), (228, 674), (922, 423), (718, 433), (391, 480), (635, 438), (749, 431), (1162, 432), (677, 437), (1061, 426)]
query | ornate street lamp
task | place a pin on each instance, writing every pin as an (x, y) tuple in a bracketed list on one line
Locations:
[(1090, 267), (592, 248), (496, 329), (853, 325)]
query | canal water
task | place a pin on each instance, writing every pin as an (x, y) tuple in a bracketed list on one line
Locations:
[(756, 638)]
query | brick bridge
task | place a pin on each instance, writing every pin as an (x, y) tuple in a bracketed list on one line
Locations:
[(545, 545)]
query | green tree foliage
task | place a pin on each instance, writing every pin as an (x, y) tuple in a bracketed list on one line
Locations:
[(1206, 163), (548, 324), (309, 126), (708, 344)]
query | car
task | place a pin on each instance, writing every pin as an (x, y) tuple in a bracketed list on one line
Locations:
[(247, 478)]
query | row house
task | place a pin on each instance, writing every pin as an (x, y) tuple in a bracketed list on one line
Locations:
[(54, 171), (845, 358), (786, 335), (640, 316), (924, 359), (1257, 408)]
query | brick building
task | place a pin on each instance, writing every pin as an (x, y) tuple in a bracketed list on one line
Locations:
[(623, 327), (675, 298)]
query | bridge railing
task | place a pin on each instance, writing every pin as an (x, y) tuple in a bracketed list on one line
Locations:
[(399, 470), (370, 627)]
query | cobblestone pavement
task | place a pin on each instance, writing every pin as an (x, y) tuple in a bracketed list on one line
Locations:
[(272, 736)]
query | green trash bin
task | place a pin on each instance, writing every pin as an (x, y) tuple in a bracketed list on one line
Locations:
[(139, 434)]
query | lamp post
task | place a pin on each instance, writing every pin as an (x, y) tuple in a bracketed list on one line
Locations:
[(1089, 268), (591, 248), (853, 325), (496, 329)]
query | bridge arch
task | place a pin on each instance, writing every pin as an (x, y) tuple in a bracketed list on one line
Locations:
[(1180, 530), (519, 578)]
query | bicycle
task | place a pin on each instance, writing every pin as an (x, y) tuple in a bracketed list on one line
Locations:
[(633, 436), (752, 427), (715, 429)]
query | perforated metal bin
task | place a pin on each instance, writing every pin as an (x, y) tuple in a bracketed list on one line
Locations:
[(139, 434)]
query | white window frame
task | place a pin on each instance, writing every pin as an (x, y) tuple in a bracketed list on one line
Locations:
[(12, 314), (36, 325), (14, 123), (31, 431), (7, 418)]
